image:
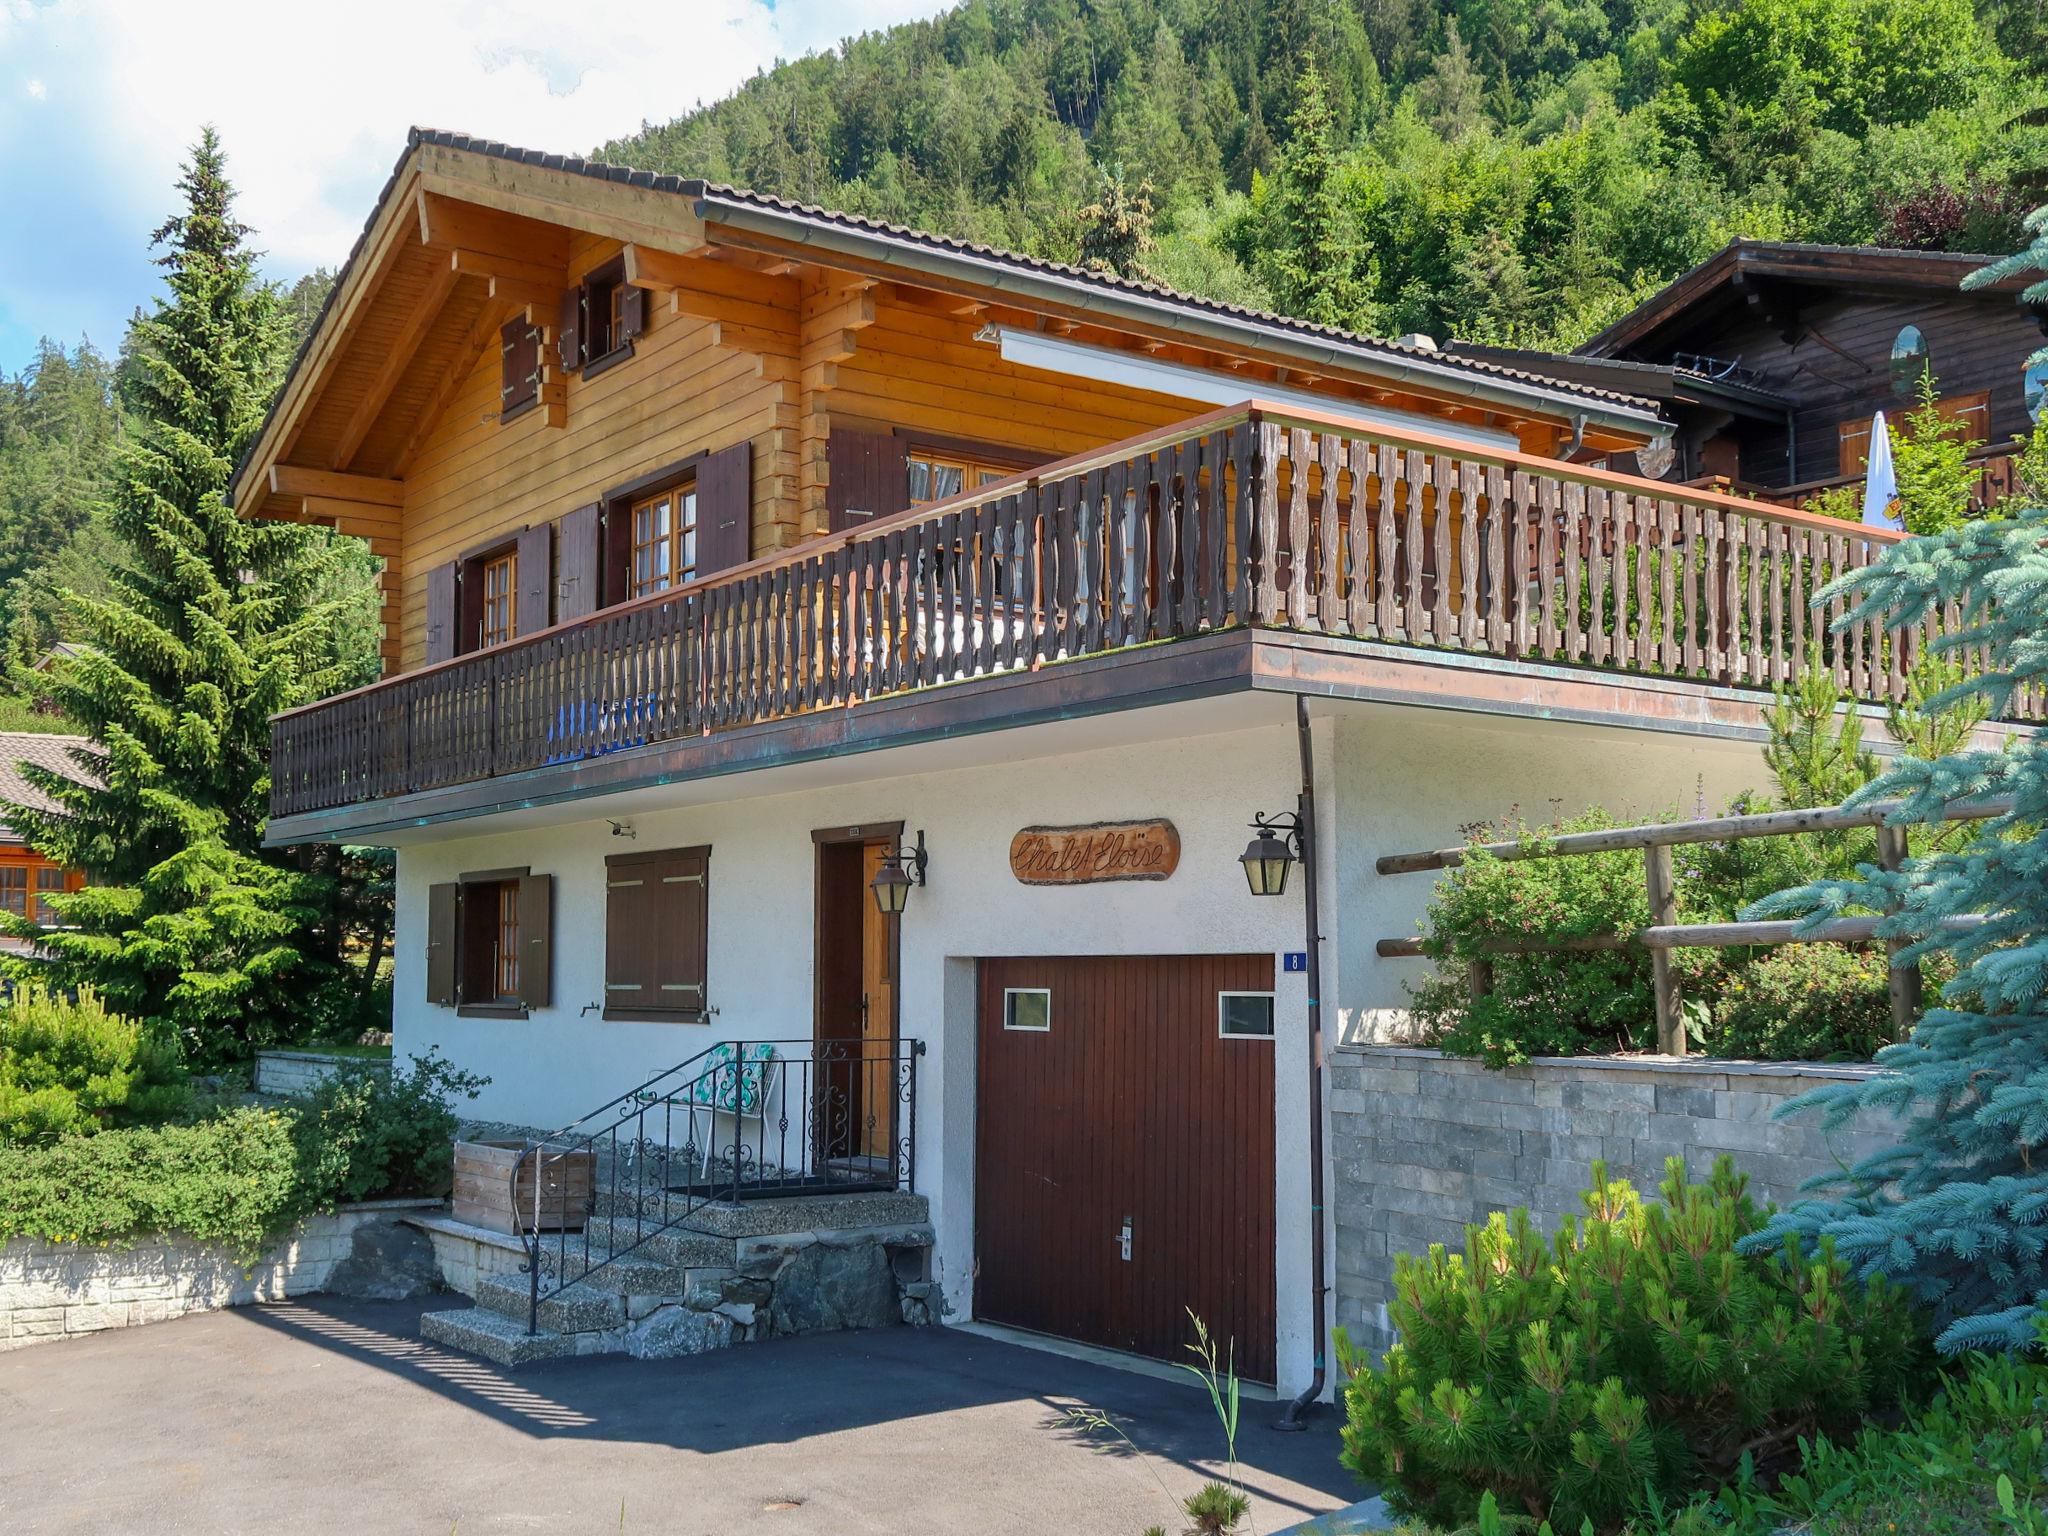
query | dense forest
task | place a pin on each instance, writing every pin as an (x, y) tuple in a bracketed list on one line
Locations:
[(1517, 171)]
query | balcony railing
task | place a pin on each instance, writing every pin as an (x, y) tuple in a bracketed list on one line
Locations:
[(1247, 517)]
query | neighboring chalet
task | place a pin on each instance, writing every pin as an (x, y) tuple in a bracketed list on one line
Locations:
[(26, 876), (1770, 359), (819, 643)]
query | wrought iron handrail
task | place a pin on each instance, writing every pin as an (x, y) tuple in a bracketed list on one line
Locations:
[(831, 1117)]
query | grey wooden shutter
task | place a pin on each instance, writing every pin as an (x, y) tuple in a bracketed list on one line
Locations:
[(536, 579), (725, 488), (632, 314), (441, 944), (536, 939), (518, 366), (867, 475), (577, 568), (441, 614), (569, 330)]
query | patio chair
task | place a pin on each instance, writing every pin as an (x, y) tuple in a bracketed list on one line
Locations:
[(738, 1086)]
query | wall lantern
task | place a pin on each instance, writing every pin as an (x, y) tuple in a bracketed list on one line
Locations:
[(899, 872), (1271, 853)]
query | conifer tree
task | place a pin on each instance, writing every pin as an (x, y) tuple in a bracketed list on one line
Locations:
[(187, 921), (1959, 1209), (1314, 263)]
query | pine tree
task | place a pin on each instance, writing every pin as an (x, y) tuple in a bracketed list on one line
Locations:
[(1314, 263), (1116, 229), (1959, 1209), (188, 922)]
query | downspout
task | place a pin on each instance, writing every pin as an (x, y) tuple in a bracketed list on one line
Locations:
[(1305, 812)]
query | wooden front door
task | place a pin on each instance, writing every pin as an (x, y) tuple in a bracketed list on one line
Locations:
[(1124, 1154), (855, 1024)]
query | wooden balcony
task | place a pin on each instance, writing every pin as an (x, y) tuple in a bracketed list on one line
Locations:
[(1251, 518)]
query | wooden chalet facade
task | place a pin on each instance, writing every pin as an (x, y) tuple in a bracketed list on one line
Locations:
[(1772, 359), (759, 578)]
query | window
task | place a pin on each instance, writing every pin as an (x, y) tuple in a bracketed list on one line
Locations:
[(490, 942), (1028, 1009), (1909, 361), (664, 539), (14, 889), (49, 882), (501, 580), (1244, 1015), (935, 476), (2035, 385), (599, 319), (656, 935)]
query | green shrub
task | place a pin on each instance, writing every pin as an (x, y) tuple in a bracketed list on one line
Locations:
[(69, 1067), (232, 1180), (1636, 1355), (1555, 1004), (371, 1135), (1805, 1002)]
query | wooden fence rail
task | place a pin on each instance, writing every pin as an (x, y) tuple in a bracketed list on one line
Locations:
[(1665, 933), (1252, 516)]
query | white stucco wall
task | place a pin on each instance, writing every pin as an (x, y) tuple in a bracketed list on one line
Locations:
[(1389, 779)]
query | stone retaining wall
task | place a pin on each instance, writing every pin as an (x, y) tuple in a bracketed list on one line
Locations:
[(294, 1074), (62, 1290), (1423, 1144)]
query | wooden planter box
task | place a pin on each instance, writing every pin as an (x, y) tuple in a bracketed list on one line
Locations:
[(484, 1195)]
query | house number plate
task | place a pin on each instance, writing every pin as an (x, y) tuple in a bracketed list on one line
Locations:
[(1107, 850)]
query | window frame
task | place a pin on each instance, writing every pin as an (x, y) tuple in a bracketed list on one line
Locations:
[(1010, 1012), (603, 288), (503, 885), (502, 567), (8, 890), (1272, 1002), (680, 535)]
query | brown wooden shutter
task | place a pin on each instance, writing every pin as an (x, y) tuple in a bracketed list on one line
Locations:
[(628, 936), (656, 934), (615, 581), (569, 330), (518, 366), (469, 606), (632, 314), (536, 579), (725, 489), (578, 572), (867, 475), (684, 931), (536, 939), (441, 944), (441, 612)]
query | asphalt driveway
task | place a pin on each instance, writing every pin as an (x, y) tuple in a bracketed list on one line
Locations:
[(321, 1416)]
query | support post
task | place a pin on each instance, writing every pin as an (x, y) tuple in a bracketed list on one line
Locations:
[(1480, 974), (1663, 975), (1904, 981)]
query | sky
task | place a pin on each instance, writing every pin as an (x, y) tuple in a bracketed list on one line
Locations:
[(100, 99)]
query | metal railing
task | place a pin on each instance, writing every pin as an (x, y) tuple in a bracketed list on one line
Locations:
[(1250, 517), (803, 1118)]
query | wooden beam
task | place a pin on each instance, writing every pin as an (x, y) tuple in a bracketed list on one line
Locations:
[(614, 210), (542, 301), (468, 263), (661, 271), (449, 224), (358, 517), (292, 480), (412, 331), (752, 338)]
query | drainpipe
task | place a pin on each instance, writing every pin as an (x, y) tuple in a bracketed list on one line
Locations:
[(1318, 1293)]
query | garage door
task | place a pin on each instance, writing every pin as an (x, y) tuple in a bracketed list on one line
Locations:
[(1124, 1151)]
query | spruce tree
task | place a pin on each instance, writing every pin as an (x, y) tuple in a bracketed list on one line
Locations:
[(187, 922), (1313, 262), (1959, 1208)]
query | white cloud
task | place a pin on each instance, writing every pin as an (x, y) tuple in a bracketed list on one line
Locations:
[(313, 102)]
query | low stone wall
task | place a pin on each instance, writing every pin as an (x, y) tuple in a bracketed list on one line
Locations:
[(1423, 1145), (294, 1074), (62, 1290)]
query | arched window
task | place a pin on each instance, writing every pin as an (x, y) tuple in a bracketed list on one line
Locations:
[(2037, 389), (1909, 360)]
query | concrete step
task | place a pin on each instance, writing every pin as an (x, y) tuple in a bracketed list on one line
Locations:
[(756, 1218), (584, 1307), (497, 1338), (677, 1246)]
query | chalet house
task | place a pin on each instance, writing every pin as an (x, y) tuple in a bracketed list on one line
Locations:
[(913, 669), (1770, 359), (26, 876)]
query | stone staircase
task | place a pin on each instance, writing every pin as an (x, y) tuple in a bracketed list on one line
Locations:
[(727, 1274)]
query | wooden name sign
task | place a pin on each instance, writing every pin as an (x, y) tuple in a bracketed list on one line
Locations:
[(1107, 850)]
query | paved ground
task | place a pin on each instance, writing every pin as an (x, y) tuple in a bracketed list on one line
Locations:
[(319, 1416)]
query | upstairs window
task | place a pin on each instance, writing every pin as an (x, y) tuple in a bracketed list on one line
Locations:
[(1909, 361), (935, 476), (600, 317), (500, 582), (664, 539)]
